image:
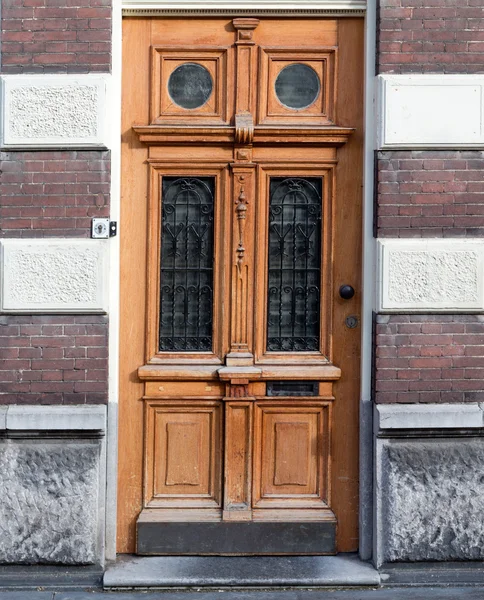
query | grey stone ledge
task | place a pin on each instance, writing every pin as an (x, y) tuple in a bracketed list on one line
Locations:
[(240, 571), (53, 418), (428, 416)]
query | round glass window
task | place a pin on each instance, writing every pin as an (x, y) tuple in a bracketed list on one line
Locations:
[(297, 86), (190, 85)]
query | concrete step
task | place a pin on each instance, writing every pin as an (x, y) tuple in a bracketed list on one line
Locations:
[(239, 571)]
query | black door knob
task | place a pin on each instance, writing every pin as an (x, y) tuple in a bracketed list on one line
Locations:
[(346, 292)]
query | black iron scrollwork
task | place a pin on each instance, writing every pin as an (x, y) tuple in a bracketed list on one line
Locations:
[(294, 273), (186, 291)]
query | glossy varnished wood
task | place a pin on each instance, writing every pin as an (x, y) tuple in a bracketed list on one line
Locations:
[(213, 447), (133, 285), (183, 453), (347, 270)]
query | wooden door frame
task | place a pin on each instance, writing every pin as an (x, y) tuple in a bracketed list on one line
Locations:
[(365, 479)]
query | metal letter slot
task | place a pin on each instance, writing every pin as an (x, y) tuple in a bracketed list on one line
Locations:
[(292, 388)]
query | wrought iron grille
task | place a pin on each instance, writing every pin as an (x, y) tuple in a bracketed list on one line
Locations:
[(186, 289), (295, 209)]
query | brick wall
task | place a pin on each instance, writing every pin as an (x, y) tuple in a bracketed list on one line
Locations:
[(56, 36), (431, 36), (429, 358), (47, 194), (53, 359), (431, 194)]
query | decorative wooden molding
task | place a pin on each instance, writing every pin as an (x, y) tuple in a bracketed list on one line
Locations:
[(242, 271), (191, 372), (322, 136), (245, 29), (244, 129), (241, 214), (245, 88), (263, 134)]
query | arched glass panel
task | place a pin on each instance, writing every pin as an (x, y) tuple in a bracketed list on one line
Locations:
[(294, 273), (186, 283)]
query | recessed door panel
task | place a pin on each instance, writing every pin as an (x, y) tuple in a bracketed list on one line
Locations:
[(183, 454), (291, 454)]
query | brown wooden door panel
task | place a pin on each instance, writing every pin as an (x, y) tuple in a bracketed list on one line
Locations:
[(201, 438), (291, 455), (182, 454)]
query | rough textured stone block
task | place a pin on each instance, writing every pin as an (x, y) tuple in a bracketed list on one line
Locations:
[(49, 508), (430, 499)]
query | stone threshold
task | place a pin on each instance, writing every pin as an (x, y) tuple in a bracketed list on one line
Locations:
[(33, 577), (433, 573), (345, 570)]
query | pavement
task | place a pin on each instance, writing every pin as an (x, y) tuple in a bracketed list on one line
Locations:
[(388, 593)]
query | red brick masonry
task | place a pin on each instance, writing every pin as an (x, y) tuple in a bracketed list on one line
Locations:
[(431, 194), (56, 36), (52, 194), (431, 36), (53, 359), (429, 358)]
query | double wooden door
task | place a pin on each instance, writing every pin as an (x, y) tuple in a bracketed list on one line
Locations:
[(241, 221)]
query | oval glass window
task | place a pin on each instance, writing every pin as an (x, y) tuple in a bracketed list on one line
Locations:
[(297, 86), (190, 85)]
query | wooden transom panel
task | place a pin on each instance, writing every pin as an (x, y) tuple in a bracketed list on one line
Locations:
[(166, 60), (272, 61)]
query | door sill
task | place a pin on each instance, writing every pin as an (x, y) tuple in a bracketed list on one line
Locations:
[(344, 570), (234, 537)]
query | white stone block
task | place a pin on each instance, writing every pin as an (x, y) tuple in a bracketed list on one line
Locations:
[(54, 418), (430, 111), (428, 416), (438, 275), (48, 111), (53, 276)]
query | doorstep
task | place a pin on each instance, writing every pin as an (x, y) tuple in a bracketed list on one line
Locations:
[(239, 571)]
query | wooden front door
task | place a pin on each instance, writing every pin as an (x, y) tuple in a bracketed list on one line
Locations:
[(241, 221)]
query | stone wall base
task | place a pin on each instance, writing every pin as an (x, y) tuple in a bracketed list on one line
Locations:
[(52, 480), (429, 486)]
